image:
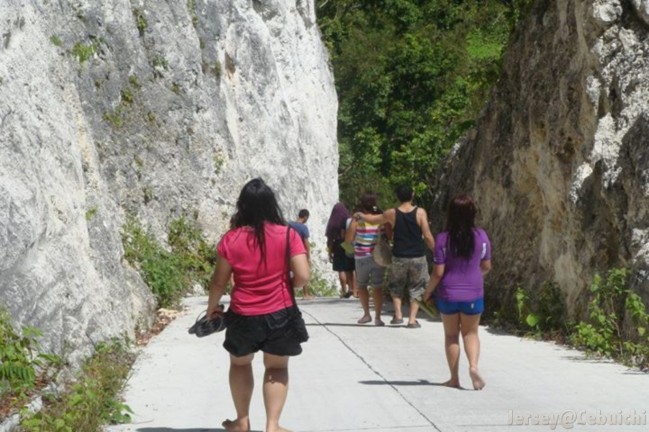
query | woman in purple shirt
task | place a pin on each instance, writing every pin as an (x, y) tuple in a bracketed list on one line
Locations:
[(462, 258)]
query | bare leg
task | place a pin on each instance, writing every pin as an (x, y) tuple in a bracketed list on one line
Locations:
[(305, 292), (452, 347), (414, 308), (469, 325), (365, 303), (342, 276), (351, 284), (377, 296), (396, 301), (241, 385), (275, 389)]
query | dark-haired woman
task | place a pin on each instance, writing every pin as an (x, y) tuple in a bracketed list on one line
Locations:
[(254, 251), (343, 264), (364, 235), (462, 258)]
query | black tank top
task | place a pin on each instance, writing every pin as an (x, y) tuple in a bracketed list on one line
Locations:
[(408, 242)]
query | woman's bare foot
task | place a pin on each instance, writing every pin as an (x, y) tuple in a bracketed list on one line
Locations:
[(478, 382), (452, 383), (238, 425)]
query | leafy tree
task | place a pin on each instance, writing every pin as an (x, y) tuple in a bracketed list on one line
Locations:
[(411, 77)]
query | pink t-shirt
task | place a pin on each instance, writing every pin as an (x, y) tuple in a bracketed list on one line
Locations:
[(260, 285)]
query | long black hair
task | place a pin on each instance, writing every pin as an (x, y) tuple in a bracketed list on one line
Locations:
[(256, 205), (460, 222)]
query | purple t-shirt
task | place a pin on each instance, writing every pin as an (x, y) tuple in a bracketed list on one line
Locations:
[(462, 280)]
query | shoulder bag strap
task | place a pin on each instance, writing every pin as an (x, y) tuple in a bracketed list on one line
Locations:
[(288, 265)]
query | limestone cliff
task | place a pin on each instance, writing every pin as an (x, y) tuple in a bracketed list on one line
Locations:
[(158, 109), (559, 161)]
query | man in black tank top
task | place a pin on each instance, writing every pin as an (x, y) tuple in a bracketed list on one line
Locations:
[(409, 269)]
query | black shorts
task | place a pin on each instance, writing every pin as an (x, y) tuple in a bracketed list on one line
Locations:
[(271, 333), (341, 261)]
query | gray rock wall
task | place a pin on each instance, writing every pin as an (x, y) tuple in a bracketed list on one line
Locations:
[(158, 109), (559, 161)]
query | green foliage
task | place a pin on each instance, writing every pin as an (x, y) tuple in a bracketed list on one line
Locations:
[(617, 318), (91, 213), (117, 117), (411, 78), (191, 7), (140, 21), (543, 311), (355, 179), (215, 68), (617, 321), (127, 96), (56, 41), (219, 161), (197, 257), (160, 62), (83, 52), (92, 400), (169, 274), (320, 287), (134, 81), (21, 361)]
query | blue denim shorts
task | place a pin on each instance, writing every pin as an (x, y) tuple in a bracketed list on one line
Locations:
[(474, 307)]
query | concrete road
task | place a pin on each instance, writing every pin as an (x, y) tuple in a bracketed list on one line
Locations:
[(385, 379)]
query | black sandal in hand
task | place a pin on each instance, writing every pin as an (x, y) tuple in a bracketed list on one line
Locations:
[(205, 326)]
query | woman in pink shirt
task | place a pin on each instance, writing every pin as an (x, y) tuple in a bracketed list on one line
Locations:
[(254, 251)]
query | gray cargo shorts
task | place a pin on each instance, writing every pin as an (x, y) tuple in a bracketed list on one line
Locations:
[(408, 274)]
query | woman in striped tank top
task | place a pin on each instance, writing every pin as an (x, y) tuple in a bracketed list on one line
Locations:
[(364, 236)]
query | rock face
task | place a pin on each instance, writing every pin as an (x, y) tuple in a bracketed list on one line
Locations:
[(157, 109), (559, 161)]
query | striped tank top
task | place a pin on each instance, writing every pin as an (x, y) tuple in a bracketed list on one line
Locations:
[(365, 240)]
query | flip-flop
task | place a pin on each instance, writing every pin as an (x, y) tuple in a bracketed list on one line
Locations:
[(364, 320), (414, 325)]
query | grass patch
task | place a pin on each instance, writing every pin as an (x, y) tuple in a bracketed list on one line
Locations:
[(169, 273), (83, 52), (140, 21), (90, 214), (134, 81), (56, 41), (117, 117), (92, 400), (616, 323), (319, 286), (24, 368)]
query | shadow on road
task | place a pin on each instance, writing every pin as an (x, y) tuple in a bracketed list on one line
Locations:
[(402, 383), (166, 429), (368, 325), (412, 383)]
